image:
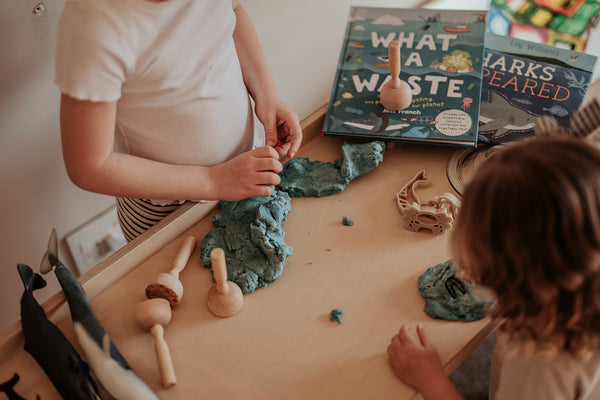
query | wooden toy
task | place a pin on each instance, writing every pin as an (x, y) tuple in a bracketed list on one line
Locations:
[(154, 314), (395, 94), (224, 298), (436, 215), (49, 347), (167, 285), (109, 366)]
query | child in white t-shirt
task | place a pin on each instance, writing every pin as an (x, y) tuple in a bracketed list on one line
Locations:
[(529, 230), (156, 109)]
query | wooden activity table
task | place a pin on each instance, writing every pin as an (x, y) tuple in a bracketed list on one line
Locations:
[(282, 344)]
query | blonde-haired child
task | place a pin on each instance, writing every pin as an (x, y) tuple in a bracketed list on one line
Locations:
[(529, 230), (156, 105)]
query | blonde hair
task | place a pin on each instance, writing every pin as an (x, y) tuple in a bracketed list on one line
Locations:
[(529, 230)]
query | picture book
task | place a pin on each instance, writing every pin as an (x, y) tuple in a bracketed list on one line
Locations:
[(525, 80), (441, 59)]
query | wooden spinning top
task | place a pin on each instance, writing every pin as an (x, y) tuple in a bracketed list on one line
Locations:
[(224, 298), (395, 93), (155, 314), (167, 285)]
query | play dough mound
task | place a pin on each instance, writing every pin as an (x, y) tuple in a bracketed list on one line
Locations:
[(449, 298), (304, 178), (358, 159), (249, 232)]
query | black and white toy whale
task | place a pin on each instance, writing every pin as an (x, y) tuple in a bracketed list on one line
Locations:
[(107, 363), (49, 347)]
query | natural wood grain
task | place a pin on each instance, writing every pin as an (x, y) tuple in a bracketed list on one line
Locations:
[(167, 285), (224, 298), (155, 314), (282, 344)]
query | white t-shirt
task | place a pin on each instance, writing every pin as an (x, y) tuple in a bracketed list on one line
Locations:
[(171, 66), (517, 377)]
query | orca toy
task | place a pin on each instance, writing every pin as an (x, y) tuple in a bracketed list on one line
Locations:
[(107, 363), (49, 347)]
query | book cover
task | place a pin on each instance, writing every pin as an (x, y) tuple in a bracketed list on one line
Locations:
[(524, 80), (441, 54)]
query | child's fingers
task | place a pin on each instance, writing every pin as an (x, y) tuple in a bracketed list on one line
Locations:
[(266, 152), (422, 335), (283, 148), (296, 140), (271, 165), (404, 334), (268, 178), (396, 342)]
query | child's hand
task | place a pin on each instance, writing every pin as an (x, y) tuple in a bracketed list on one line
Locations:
[(250, 174), (414, 359), (282, 128)]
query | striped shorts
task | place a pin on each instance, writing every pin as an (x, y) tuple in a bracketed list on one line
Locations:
[(138, 215)]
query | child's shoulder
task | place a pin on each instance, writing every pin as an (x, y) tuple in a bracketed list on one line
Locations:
[(521, 371)]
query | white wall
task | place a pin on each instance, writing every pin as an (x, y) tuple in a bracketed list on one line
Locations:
[(302, 42), (36, 193)]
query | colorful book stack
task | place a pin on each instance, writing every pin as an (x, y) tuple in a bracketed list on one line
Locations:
[(523, 81), (441, 56), (467, 85)]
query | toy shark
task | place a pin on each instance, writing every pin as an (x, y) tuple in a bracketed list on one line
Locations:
[(46, 343), (8, 388), (109, 366), (500, 116)]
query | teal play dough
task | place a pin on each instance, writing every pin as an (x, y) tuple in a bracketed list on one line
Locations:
[(450, 298), (249, 232), (304, 178), (336, 315)]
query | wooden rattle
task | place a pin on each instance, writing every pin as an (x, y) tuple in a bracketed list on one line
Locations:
[(167, 285), (154, 314), (395, 93), (224, 298)]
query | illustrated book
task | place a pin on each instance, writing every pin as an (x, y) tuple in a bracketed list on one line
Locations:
[(523, 81), (441, 53)]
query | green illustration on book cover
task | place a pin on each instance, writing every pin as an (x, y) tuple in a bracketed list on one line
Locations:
[(441, 60)]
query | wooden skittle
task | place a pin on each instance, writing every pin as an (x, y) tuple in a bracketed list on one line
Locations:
[(395, 94), (154, 314), (167, 285), (224, 298)]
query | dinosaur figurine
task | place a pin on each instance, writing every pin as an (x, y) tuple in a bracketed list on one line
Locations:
[(49, 347), (107, 363)]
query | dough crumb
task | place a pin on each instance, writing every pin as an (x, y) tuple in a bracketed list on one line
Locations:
[(347, 221), (336, 315)]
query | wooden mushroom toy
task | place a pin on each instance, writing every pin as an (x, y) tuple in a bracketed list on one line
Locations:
[(167, 285), (154, 314), (395, 94), (224, 298)]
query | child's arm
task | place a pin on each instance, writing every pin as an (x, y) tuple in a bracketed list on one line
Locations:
[(282, 128), (416, 362), (87, 131)]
